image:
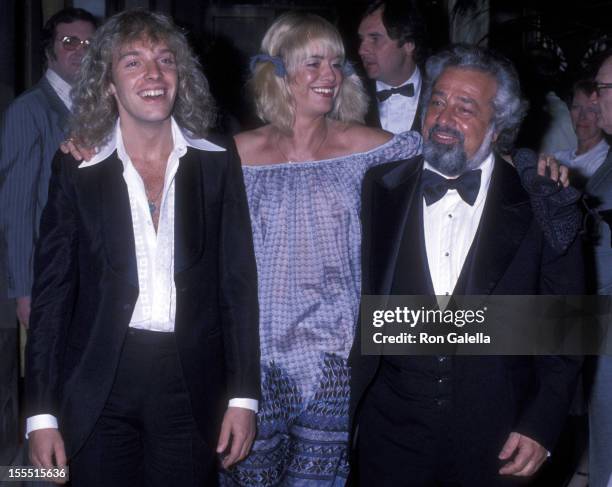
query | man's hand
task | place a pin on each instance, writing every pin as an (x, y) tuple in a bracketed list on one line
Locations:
[(23, 310), (530, 456), (47, 449), (557, 172), (78, 152), (237, 432)]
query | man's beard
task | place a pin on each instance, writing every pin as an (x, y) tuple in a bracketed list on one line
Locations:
[(451, 160)]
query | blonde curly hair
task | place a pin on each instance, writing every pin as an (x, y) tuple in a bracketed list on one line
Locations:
[(95, 108)]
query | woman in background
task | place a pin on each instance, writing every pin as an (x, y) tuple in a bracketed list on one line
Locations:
[(592, 148)]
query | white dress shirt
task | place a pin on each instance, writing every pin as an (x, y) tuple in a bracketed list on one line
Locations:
[(155, 307), (60, 87), (450, 225), (398, 111), (584, 164)]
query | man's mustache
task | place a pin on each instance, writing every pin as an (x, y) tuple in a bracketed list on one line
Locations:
[(445, 130)]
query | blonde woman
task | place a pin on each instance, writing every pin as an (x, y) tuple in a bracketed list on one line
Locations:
[(303, 172)]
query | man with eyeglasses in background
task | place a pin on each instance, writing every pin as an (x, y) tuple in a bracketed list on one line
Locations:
[(32, 128), (599, 190)]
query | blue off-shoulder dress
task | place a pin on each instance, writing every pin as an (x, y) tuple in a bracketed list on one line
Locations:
[(307, 237)]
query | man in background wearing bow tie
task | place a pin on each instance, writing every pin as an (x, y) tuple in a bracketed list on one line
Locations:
[(391, 37), (456, 221)]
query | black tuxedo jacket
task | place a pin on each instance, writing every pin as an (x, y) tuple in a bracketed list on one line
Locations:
[(372, 117), (86, 285), (509, 256)]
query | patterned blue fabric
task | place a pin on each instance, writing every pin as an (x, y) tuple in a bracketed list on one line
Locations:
[(307, 235)]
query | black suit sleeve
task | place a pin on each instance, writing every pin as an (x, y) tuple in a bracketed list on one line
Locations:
[(238, 286), (545, 414), (54, 292)]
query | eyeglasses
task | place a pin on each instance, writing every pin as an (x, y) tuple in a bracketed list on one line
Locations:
[(72, 43), (602, 86)]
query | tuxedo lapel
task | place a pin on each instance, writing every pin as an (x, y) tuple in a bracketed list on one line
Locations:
[(505, 220), (372, 118), (117, 226), (398, 258), (416, 123), (189, 228), (413, 276)]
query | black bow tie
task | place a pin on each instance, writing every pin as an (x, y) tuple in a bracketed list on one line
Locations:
[(434, 186), (406, 90)]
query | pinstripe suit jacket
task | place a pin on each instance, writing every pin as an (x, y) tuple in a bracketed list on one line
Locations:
[(32, 128)]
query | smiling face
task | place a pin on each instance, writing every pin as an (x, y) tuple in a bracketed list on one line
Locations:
[(65, 62), (144, 82), (382, 57), (458, 129), (315, 82)]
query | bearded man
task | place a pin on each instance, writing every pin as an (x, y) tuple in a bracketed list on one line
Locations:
[(456, 221)]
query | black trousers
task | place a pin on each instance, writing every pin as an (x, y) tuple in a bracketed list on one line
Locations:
[(146, 435), (408, 439)]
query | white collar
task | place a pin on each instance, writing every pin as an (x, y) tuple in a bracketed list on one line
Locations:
[(601, 146), (182, 139), (60, 86), (415, 79)]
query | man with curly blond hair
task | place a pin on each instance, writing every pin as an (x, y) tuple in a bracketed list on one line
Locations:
[(142, 363)]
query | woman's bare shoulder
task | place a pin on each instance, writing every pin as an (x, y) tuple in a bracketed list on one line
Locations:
[(252, 143), (362, 138)]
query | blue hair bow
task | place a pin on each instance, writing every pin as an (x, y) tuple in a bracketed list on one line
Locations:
[(348, 69), (279, 65)]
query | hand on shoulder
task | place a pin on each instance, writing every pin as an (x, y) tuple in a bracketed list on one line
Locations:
[(76, 150)]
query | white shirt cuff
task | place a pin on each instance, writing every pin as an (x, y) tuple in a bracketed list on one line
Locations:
[(245, 403), (40, 421)]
